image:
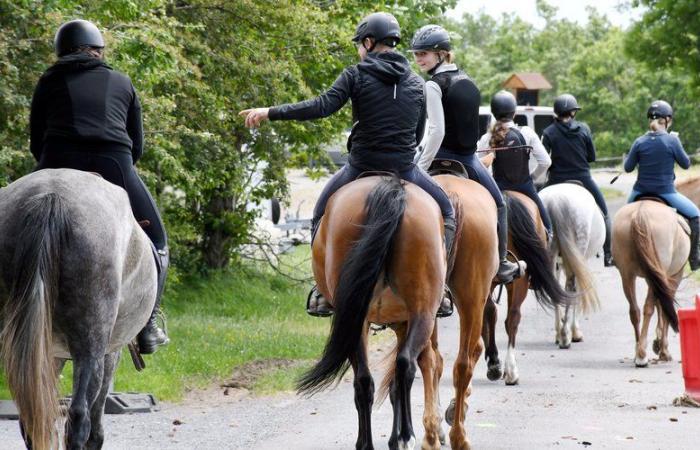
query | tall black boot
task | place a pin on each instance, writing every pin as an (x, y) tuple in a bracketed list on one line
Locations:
[(507, 270), (607, 254), (151, 336), (316, 304), (446, 305), (694, 257)]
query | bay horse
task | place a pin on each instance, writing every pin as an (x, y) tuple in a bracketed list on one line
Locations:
[(579, 232), (651, 241), (527, 240), (379, 256), (77, 281)]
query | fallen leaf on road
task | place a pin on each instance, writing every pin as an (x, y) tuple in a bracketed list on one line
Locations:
[(673, 419), (177, 422), (635, 381), (651, 408)]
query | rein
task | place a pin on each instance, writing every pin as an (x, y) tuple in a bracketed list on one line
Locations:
[(502, 149)]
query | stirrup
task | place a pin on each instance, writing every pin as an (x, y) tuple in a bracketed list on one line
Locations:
[(315, 312), (446, 312)]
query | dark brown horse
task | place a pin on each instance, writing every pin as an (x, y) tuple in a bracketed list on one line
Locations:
[(379, 256), (527, 240)]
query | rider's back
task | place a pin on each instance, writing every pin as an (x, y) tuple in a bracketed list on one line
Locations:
[(80, 103), (571, 148), (656, 154)]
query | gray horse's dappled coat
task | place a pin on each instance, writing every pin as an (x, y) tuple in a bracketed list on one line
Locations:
[(78, 281)]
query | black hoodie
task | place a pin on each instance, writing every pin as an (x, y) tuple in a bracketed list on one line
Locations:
[(388, 109), (571, 147), (80, 103)]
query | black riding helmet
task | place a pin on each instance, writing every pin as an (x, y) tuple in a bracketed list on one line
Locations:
[(564, 104), (77, 33), (660, 109), (503, 105), (431, 37), (382, 27)]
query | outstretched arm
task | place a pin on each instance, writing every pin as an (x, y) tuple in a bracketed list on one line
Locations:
[(322, 106)]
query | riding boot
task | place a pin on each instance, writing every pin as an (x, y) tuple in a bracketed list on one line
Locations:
[(507, 270), (607, 254), (317, 305), (151, 336), (694, 257), (446, 305)]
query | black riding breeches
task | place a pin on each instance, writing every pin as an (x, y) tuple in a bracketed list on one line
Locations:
[(413, 175), (117, 168), (528, 189)]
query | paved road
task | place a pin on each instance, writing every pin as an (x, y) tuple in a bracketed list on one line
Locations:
[(590, 395)]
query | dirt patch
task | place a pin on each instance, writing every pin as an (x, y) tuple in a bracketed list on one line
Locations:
[(245, 376)]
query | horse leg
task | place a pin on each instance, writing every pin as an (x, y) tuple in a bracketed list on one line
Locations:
[(439, 366), (88, 370), (488, 333), (630, 290), (662, 324), (97, 435), (576, 334), (470, 348), (427, 361), (420, 328), (515, 301), (364, 395), (640, 358), (566, 326), (400, 331)]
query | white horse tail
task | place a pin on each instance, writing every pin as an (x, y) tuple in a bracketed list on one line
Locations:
[(651, 265), (26, 337), (574, 261)]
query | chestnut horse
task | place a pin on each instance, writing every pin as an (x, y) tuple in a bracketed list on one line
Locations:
[(380, 236), (527, 240), (650, 241)]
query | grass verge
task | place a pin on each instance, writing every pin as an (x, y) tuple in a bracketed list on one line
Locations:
[(219, 323)]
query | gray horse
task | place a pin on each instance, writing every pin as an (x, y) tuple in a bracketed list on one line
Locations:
[(77, 281)]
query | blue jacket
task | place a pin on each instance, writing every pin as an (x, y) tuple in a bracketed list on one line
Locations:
[(656, 154)]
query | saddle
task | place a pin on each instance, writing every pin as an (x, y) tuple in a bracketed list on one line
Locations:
[(448, 167), (577, 182), (682, 220), (375, 173)]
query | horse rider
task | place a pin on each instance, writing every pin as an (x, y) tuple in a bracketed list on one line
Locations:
[(87, 116), (511, 167), (571, 146), (656, 152), (388, 108), (453, 125)]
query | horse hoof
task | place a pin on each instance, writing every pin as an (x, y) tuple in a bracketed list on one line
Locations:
[(641, 362), (410, 445), (513, 382), (441, 436), (494, 373), (577, 337), (450, 412), (656, 346), (565, 346), (665, 357)]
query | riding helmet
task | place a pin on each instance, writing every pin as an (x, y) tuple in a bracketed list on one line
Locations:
[(382, 27), (565, 103), (77, 33), (431, 37), (660, 109), (503, 105)]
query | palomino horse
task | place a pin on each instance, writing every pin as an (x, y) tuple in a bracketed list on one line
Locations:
[(527, 240), (650, 241), (579, 232), (379, 256), (77, 281)]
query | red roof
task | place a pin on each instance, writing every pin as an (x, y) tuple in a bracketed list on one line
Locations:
[(527, 80)]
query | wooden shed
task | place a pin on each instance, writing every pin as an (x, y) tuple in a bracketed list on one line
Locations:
[(527, 86)]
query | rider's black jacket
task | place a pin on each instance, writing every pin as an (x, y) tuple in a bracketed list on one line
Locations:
[(571, 147), (460, 103), (80, 103), (388, 108)]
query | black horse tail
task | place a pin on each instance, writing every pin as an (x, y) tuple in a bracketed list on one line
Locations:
[(364, 264), (26, 337), (529, 246)]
